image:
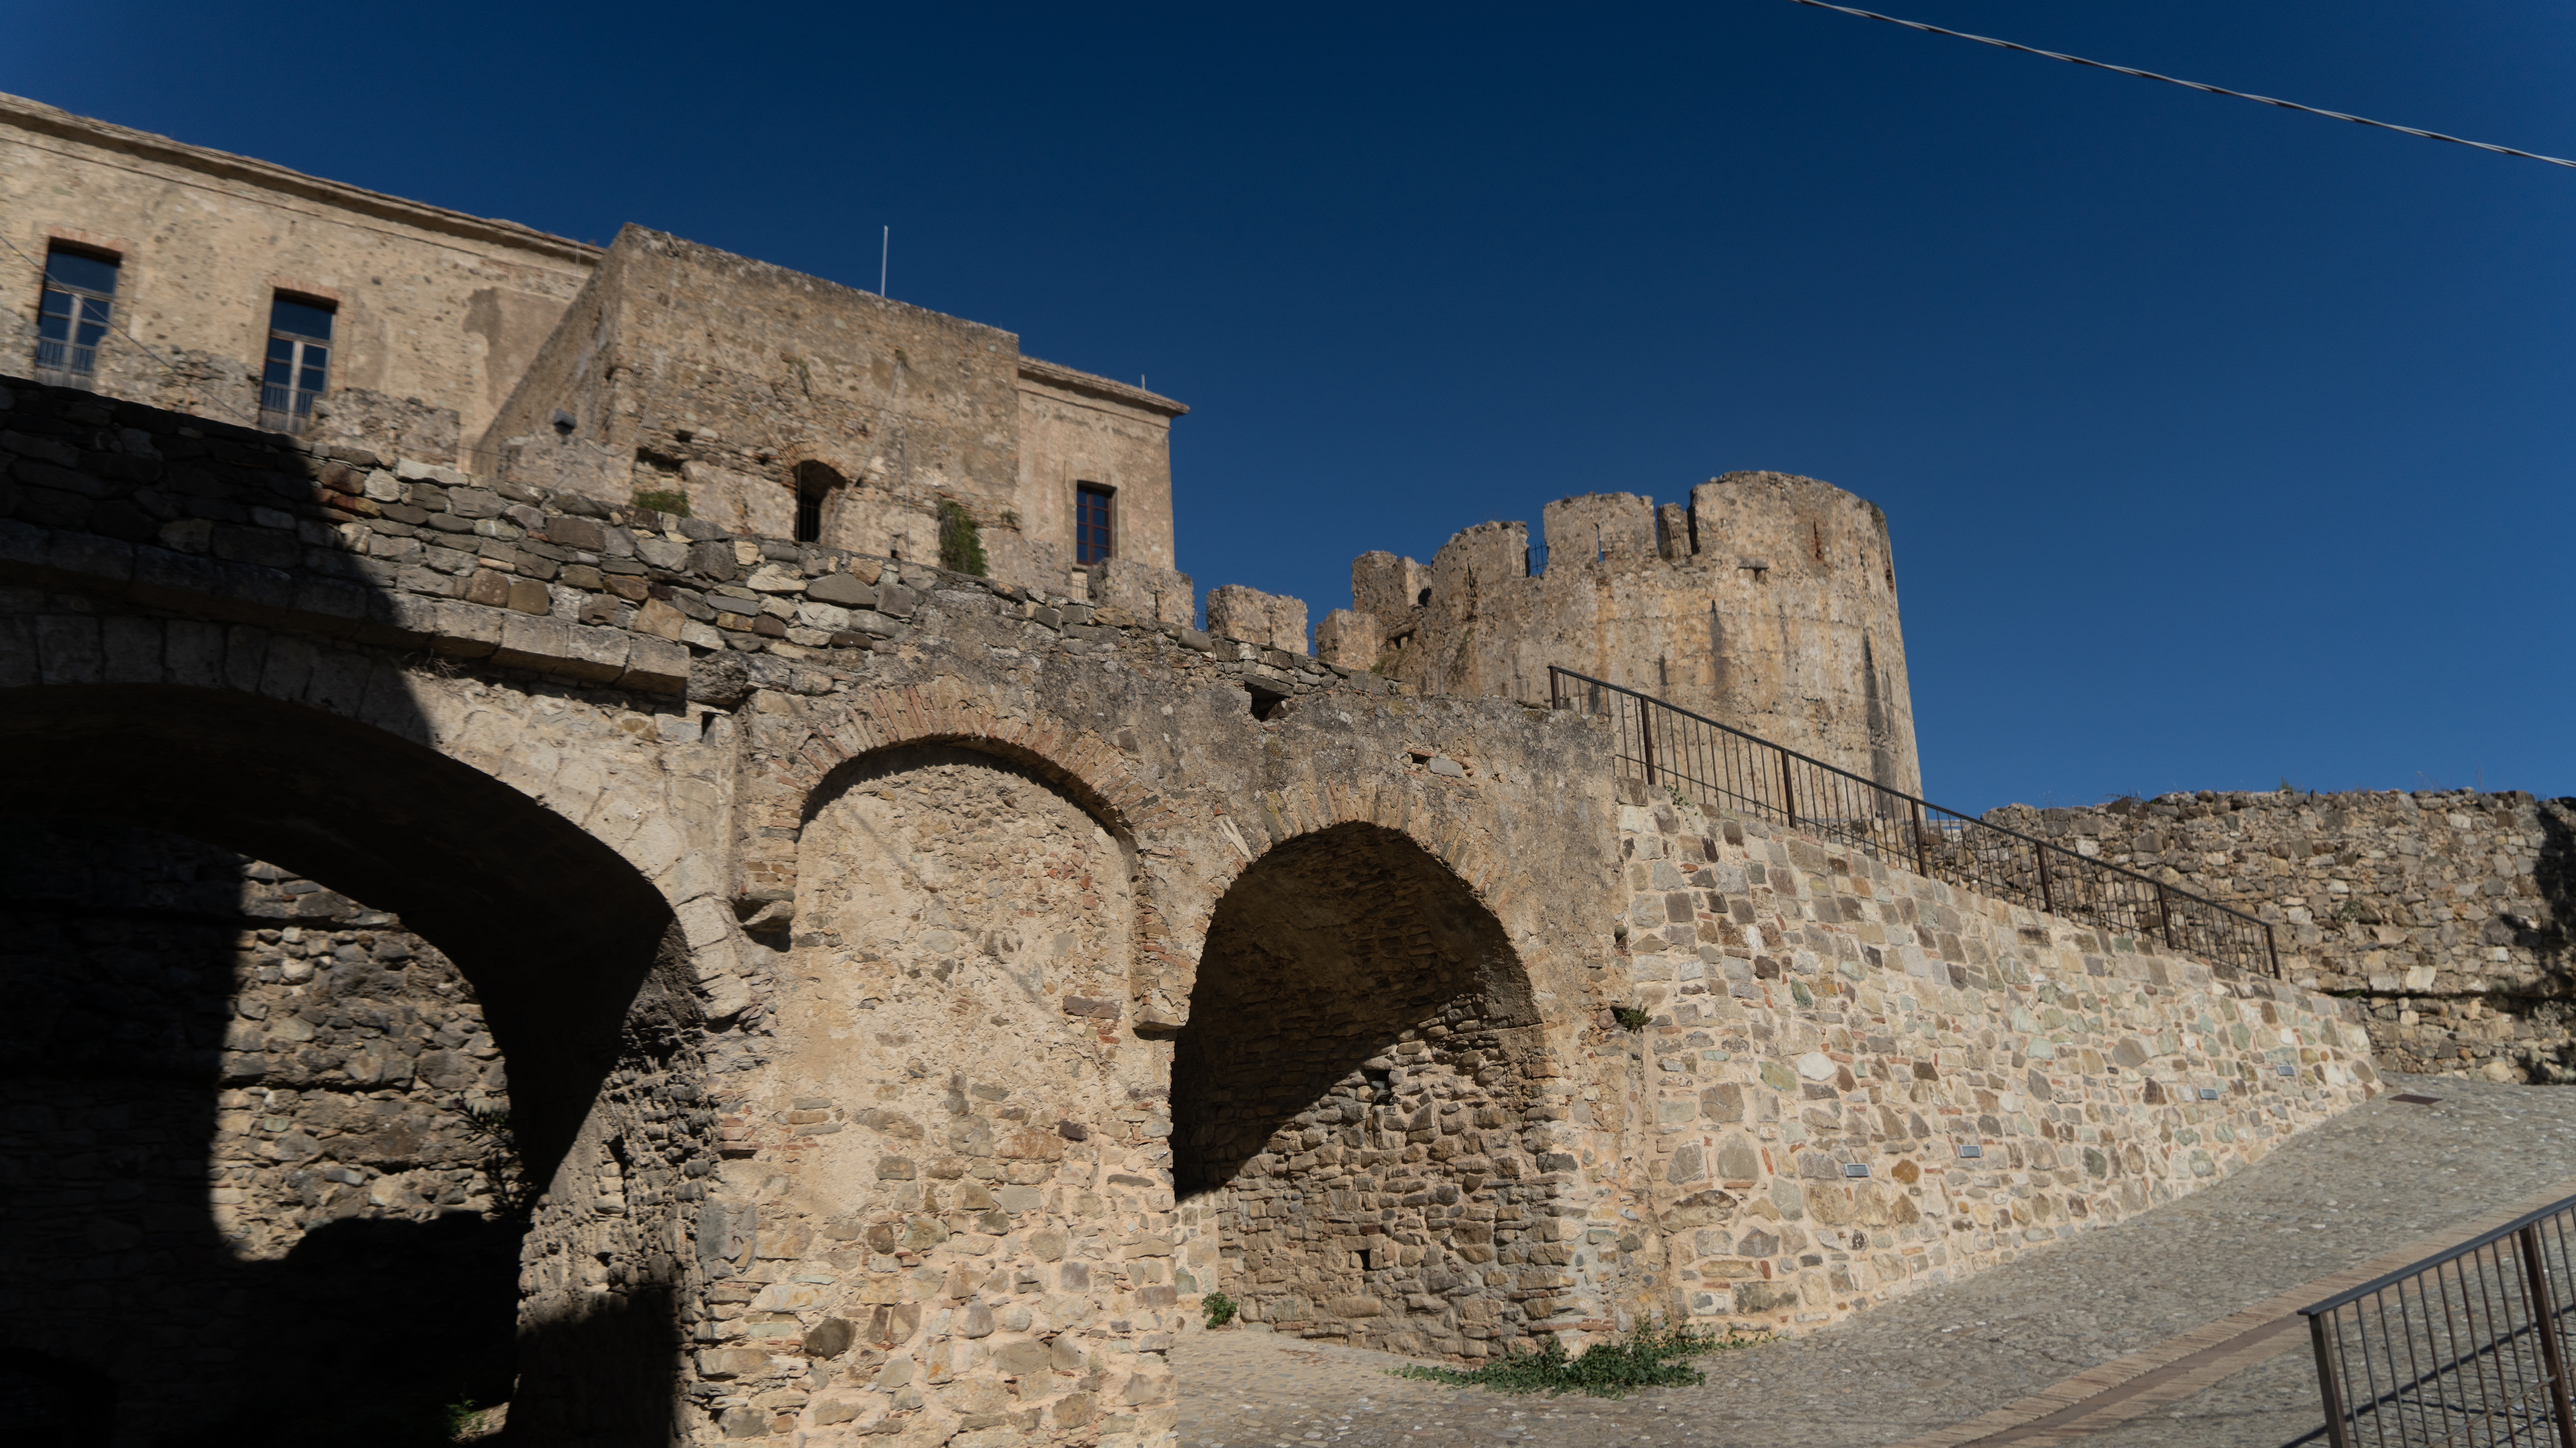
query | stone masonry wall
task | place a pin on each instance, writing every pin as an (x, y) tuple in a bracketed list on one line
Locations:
[(229, 1087), (2447, 913), (1768, 604), (1832, 1039), (1360, 1068)]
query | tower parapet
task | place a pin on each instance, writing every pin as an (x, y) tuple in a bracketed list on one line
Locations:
[(1767, 602)]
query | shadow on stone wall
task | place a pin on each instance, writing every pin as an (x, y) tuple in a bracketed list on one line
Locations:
[(2550, 935), (120, 953), (368, 1326), (1350, 1095)]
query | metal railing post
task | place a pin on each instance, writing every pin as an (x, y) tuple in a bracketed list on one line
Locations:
[(2272, 948), (1646, 741), (2328, 1383), (2164, 912), (2047, 890), (1788, 790), (1922, 860), (2551, 1351)]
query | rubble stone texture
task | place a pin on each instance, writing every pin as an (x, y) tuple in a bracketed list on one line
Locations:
[(1767, 604), (253, 1101), (911, 1011), (2446, 911), (1831, 1036)]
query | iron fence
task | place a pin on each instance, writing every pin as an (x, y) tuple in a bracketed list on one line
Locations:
[(2467, 1349), (1672, 748)]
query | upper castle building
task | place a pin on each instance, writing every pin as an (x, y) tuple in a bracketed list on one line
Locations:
[(767, 403), (775, 403)]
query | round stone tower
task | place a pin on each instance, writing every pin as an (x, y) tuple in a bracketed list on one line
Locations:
[(1768, 602)]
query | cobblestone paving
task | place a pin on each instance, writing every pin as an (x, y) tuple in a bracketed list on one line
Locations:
[(2373, 1180)]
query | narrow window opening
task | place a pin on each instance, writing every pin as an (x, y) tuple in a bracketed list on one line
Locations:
[(1422, 599), (1265, 703), (73, 315), (1094, 522), (816, 486), (299, 362)]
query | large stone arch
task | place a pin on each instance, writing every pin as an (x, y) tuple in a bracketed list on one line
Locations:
[(573, 953), (952, 1155), (1357, 1102), (784, 790)]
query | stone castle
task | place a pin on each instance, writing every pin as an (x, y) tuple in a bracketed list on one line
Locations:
[(678, 822)]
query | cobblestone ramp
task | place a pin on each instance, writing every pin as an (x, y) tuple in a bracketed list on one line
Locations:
[(2378, 1179)]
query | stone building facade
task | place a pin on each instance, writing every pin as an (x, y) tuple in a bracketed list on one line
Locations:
[(2446, 912), (917, 991), (1767, 602), (653, 367)]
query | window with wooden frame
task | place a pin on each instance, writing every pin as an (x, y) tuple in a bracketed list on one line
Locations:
[(299, 361), (72, 314), (1094, 522)]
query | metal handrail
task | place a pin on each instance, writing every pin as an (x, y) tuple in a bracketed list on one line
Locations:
[(1673, 747), (2468, 1346)]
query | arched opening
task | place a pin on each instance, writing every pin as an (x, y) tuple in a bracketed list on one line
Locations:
[(1352, 1099), (818, 490), (292, 985), (953, 1089)]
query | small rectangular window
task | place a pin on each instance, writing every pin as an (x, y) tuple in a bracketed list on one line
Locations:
[(72, 317), (1093, 534), (299, 362)]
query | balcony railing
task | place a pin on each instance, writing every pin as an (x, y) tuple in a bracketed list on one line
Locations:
[(285, 409), (1672, 748), (65, 364)]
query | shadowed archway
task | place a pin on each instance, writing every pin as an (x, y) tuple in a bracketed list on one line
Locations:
[(1351, 1094), (135, 812)]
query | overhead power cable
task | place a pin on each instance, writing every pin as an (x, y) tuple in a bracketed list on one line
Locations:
[(2216, 90)]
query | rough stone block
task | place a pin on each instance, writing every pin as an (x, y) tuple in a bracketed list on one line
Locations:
[(656, 666), (67, 649), (133, 650), (540, 644), (1250, 616), (1145, 592), (1348, 638)]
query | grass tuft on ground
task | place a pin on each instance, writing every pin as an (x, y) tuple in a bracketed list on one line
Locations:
[(1653, 1356)]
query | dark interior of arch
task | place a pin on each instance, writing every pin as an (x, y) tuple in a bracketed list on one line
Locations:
[(1349, 1094), (556, 931), (121, 988), (158, 1250)]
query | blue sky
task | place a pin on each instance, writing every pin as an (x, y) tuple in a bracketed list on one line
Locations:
[(2220, 445)]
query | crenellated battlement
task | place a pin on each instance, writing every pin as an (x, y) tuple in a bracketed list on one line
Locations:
[(1768, 601)]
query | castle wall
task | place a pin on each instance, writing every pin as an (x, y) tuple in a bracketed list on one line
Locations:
[(1830, 1035), (994, 918), (2446, 912), (1076, 428), (683, 369), (1769, 605), (438, 312)]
